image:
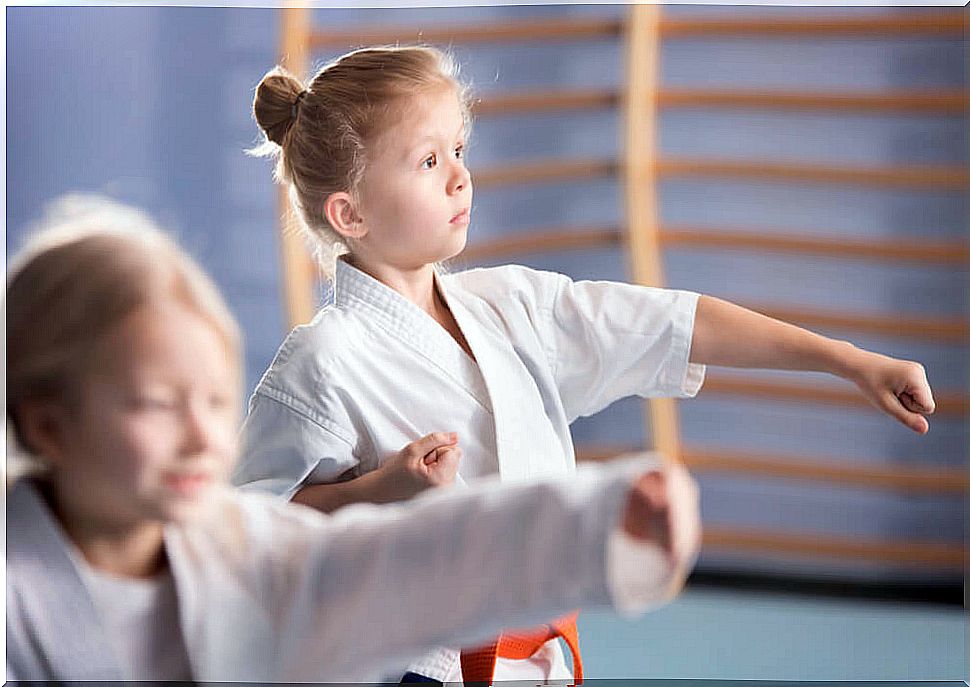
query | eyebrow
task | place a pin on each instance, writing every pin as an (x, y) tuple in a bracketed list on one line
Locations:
[(431, 138)]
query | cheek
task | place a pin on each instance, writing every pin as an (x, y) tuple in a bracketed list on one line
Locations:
[(223, 432), (410, 207), (143, 449), (225, 442)]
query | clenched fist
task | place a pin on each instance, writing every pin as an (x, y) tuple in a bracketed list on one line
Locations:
[(662, 510), (431, 461)]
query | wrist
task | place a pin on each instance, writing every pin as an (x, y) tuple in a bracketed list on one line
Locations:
[(391, 483), (844, 359)]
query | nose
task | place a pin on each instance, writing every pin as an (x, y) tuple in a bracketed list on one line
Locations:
[(199, 429), (460, 178)]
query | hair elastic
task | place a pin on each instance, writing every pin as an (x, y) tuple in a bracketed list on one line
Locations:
[(296, 103)]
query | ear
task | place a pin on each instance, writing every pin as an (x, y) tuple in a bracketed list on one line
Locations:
[(342, 214), (42, 424)]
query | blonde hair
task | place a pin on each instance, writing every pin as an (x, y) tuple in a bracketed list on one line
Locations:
[(90, 263), (320, 133)]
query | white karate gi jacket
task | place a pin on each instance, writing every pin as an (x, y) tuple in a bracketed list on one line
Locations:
[(373, 372), (270, 591)]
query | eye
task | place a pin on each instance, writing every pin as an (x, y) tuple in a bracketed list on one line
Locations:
[(219, 401), (429, 162), (460, 152), (153, 403)]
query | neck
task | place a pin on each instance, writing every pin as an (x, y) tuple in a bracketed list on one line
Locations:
[(124, 547), (415, 284)]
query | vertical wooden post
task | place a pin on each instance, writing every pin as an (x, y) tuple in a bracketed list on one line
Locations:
[(639, 104), (299, 271)]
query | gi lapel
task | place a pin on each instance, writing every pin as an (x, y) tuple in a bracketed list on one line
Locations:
[(59, 614), (504, 377), (400, 318)]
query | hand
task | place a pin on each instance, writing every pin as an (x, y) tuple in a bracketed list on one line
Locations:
[(897, 387), (663, 509), (431, 461)]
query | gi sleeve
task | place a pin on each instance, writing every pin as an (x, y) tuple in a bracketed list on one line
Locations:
[(609, 340), (372, 586), (285, 443)]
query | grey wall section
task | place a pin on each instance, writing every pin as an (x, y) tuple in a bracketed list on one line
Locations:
[(151, 105)]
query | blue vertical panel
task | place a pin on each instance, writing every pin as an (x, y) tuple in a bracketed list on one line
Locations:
[(150, 106), (212, 63), (80, 106)]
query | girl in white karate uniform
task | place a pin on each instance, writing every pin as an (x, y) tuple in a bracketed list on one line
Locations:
[(127, 559), (372, 150)]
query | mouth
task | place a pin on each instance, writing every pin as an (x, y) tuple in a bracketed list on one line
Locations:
[(461, 218), (187, 483)]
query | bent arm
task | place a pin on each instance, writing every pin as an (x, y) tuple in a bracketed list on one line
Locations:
[(429, 461), (285, 444), (368, 488)]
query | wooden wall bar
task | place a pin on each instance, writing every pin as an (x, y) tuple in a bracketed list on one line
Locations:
[(947, 404), (951, 253), (875, 25), (826, 470), (950, 101), (929, 177), (544, 101), (531, 31), (299, 271), (639, 170), (802, 545), (926, 177), (833, 471)]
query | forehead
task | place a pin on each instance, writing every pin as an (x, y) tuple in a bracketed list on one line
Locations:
[(431, 114), (166, 337)]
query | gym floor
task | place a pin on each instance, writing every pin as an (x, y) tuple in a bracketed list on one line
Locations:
[(748, 635)]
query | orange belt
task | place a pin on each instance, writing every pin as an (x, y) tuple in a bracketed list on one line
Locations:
[(478, 665)]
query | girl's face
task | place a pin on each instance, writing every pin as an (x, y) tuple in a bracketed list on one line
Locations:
[(155, 421), (416, 194)]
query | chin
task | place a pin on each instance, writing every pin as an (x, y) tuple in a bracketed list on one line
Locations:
[(456, 247), (171, 512), (181, 510)]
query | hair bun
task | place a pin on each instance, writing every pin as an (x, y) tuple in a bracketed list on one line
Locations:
[(275, 104)]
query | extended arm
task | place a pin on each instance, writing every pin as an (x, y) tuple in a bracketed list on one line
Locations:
[(729, 335), (376, 585)]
